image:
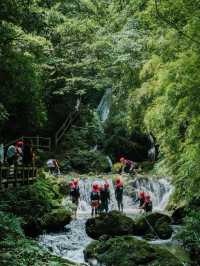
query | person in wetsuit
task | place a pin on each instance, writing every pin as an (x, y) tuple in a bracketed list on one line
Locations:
[(75, 194), (147, 206), (119, 189), (104, 197), (95, 199)]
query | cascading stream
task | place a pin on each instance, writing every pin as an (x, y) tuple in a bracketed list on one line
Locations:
[(71, 243)]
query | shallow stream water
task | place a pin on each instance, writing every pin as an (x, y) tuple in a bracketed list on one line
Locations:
[(73, 240)]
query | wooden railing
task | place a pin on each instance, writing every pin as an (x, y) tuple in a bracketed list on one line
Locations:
[(37, 142), (17, 176)]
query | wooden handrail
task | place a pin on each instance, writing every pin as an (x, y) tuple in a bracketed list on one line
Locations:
[(35, 140), (17, 176)]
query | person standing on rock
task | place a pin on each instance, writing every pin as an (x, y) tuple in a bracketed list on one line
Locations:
[(75, 195), (95, 199), (105, 197), (119, 189)]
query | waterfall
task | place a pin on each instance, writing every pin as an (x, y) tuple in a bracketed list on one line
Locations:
[(159, 190), (152, 150), (71, 243), (103, 109), (85, 190)]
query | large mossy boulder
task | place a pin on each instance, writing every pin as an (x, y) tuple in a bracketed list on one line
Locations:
[(153, 226), (111, 224), (55, 220), (179, 214), (129, 251)]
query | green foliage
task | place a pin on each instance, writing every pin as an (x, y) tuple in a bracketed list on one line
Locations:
[(10, 227), (190, 235)]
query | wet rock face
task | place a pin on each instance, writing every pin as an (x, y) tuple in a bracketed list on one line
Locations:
[(154, 226), (129, 251), (111, 224)]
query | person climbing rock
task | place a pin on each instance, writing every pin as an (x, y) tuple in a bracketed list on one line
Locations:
[(95, 199), (119, 188), (104, 197), (128, 166), (75, 195), (147, 206)]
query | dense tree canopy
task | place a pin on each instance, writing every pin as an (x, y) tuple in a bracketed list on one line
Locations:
[(55, 52)]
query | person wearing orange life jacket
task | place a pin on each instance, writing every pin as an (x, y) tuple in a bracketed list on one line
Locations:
[(104, 197), (95, 199), (147, 206), (119, 189), (75, 194)]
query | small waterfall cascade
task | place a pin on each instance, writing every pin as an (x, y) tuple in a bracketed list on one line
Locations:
[(103, 109), (85, 190), (152, 150), (159, 189), (71, 243)]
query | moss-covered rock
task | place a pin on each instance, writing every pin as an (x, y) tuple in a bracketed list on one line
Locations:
[(16, 249), (37, 204), (55, 220), (129, 251), (179, 214), (111, 224), (154, 225)]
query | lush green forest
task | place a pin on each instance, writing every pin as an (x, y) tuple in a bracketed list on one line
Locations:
[(55, 52)]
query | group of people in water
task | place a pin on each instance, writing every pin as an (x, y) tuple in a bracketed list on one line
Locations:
[(100, 196)]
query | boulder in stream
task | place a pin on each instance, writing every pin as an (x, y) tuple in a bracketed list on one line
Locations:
[(112, 224), (56, 220), (127, 250), (154, 226)]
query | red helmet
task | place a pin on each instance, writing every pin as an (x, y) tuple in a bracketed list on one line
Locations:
[(147, 198), (142, 194), (71, 184), (119, 182), (19, 143), (75, 182), (95, 187)]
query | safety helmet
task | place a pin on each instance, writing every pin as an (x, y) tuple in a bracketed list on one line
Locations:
[(141, 194), (75, 182)]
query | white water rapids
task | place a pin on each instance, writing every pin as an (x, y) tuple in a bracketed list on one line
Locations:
[(71, 243)]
